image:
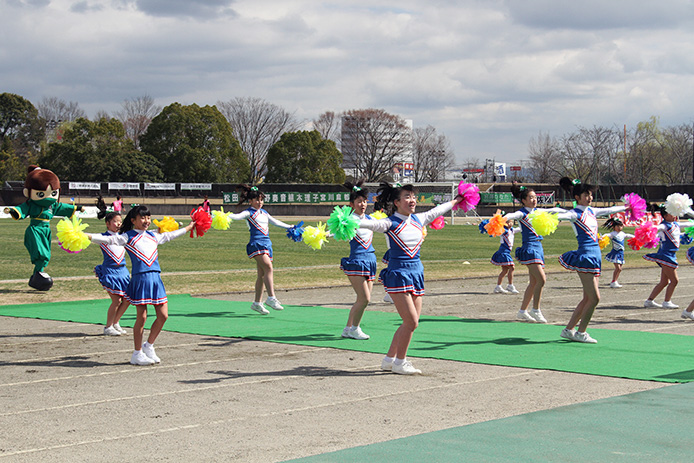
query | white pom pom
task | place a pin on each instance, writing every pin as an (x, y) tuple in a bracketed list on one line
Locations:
[(678, 204)]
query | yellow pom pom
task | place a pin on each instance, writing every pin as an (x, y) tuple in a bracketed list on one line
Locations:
[(221, 219), (603, 241), (425, 232), (167, 224), (315, 237), (378, 215), (71, 235), (543, 222)]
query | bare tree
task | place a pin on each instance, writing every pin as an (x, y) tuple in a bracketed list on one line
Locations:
[(257, 125), (102, 114), (373, 141), (431, 153), (545, 162), (328, 125), (55, 109), (675, 164), (643, 152), (136, 115), (586, 154)]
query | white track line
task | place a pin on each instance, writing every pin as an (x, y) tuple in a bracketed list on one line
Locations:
[(263, 415)]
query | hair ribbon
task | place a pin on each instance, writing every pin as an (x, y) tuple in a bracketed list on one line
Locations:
[(576, 181)]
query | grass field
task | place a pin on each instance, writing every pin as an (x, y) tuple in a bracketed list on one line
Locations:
[(217, 262)]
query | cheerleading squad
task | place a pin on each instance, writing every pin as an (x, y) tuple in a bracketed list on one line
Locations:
[(402, 279)]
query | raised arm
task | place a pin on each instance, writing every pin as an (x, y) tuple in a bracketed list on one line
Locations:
[(429, 216), (380, 226), (119, 239), (278, 223), (168, 236), (240, 216), (603, 211)]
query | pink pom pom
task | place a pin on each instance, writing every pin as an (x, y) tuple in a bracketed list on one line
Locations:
[(438, 223), (636, 206), (471, 197), (647, 233)]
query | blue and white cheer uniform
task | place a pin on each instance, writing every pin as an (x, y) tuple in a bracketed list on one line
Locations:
[(503, 257), (669, 234), (112, 273), (616, 255), (258, 221), (362, 255)]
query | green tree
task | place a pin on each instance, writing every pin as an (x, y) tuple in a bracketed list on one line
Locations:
[(195, 144), (305, 157), (99, 151), (21, 133)]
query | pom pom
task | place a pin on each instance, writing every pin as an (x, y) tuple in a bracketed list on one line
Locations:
[(203, 221), (438, 223), (315, 237), (543, 222), (635, 206), (482, 226), (343, 224), (678, 204), (634, 243), (71, 235), (603, 241), (378, 215), (471, 197), (425, 232), (166, 224), (689, 231), (221, 219), (647, 234), (686, 239), (496, 226), (295, 232)]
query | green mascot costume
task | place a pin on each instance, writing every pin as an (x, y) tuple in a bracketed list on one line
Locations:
[(42, 189)]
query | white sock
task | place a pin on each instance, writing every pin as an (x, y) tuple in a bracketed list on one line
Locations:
[(147, 344), (398, 361), (389, 359), (137, 351)]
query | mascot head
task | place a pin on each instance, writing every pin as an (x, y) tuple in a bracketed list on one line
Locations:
[(42, 186)]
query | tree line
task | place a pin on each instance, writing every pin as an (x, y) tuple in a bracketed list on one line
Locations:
[(241, 140)]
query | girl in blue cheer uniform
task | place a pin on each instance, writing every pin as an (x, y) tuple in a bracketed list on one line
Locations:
[(260, 247), (587, 259), (113, 274), (146, 287), (616, 255), (360, 266), (502, 257), (666, 258), (404, 277)]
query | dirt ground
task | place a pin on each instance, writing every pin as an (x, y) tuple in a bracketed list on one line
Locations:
[(68, 394)]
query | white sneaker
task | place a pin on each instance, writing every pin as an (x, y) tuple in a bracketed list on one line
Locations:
[(512, 289), (387, 298), (357, 333), (148, 350), (386, 364), (584, 337), (670, 305), (139, 358), (111, 331), (686, 315), (273, 303), (119, 329), (651, 304), (345, 332), (500, 290), (525, 316), (537, 315), (615, 284), (406, 368), (568, 334), (260, 308)]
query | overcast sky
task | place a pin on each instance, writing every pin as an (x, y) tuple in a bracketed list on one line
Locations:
[(489, 74)]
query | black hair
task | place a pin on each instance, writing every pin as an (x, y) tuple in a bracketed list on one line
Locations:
[(387, 194), (111, 215), (520, 192), (356, 190), (248, 192), (575, 187), (613, 222), (127, 224), (653, 208), (101, 206)]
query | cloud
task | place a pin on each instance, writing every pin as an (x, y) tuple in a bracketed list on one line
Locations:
[(198, 9)]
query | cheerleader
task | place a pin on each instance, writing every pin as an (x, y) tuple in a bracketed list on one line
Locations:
[(113, 274), (145, 285), (404, 277), (587, 259), (260, 247), (360, 266), (503, 258), (688, 313), (530, 253), (616, 255), (666, 258), (379, 206)]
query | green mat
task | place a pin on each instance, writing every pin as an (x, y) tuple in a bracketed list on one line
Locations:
[(625, 354), (651, 426)]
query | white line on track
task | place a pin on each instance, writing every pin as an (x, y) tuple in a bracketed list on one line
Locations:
[(263, 415)]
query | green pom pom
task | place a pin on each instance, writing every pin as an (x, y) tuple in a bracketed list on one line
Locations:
[(342, 224)]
